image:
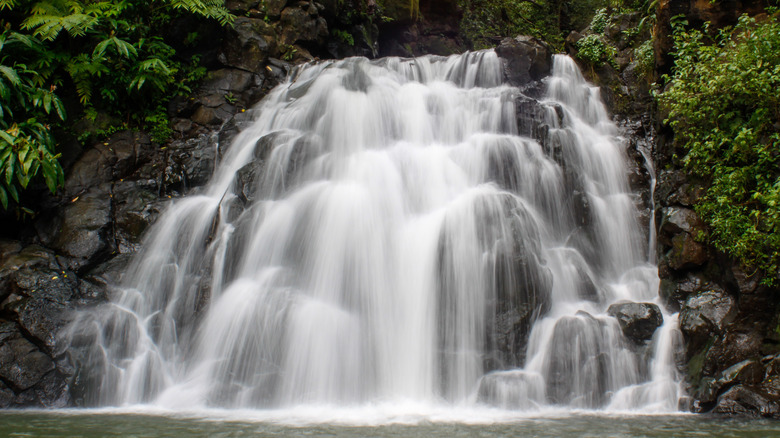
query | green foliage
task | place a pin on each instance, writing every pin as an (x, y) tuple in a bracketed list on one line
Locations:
[(595, 50), (26, 105), (486, 20), (549, 20), (344, 36), (599, 21), (724, 106), (645, 57), (110, 53)]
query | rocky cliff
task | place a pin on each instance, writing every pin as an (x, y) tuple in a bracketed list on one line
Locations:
[(728, 318)]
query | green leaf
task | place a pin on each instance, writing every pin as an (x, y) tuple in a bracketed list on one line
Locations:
[(3, 198), (8, 138), (60, 108), (11, 75), (50, 176), (9, 170), (12, 191)]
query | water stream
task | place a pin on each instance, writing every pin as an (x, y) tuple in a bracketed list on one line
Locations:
[(384, 234)]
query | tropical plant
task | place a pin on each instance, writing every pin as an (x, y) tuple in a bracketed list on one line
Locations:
[(724, 107), (110, 53), (26, 105), (595, 50)]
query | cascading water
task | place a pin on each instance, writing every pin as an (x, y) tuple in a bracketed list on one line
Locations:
[(383, 233)]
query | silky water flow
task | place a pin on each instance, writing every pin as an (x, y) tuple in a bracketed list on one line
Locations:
[(394, 230)]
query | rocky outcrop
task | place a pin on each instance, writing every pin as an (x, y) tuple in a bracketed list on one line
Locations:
[(524, 59), (638, 321), (436, 31), (728, 317)]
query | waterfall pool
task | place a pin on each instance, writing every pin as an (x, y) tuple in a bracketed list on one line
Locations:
[(363, 423)]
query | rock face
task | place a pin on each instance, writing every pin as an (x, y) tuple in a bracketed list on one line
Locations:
[(525, 59), (435, 32), (37, 296), (638, 321), (727, 316)]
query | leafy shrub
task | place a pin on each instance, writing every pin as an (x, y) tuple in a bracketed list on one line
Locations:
[(645, 57), (344, 36), (594, 50), (111, 53), (484, 21), (599, 21), (724, 107), (26, 105)]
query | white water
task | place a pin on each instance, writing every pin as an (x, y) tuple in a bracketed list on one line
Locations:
[(383, 235)]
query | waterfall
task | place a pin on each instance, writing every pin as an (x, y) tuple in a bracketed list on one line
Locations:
[(387, 230)]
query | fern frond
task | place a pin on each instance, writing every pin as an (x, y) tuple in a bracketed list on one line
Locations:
[(123, 48), (48, 19), (10, 74), (7, 4)]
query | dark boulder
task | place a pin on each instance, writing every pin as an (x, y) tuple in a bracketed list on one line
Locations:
[(747, 401), (732, 347), (6, 396), (22, 364), (705, 314), (749, 372), (136, 206), (84, 231), (249, 44), (525, 59), (676, 292), (113, 159), (638, 321), (302, 24), (677, 220)]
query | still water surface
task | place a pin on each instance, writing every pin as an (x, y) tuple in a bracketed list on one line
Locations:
[(77, 423)]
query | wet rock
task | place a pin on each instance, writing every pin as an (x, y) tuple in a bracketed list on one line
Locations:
[(525, 59), (677, 189), (136, 207), (116, 158), (229, 80), (686, 253), (301, 25), (98, 280), (677, 220), (187, 163), (638, 321), (249, 44), (675, 292), (743, 400), (705, 314), (749, 372), (84, 231), (732, 348), (50, 392), (511, 389), (43, 303), (33, 256), (6, 396), (22, 364), (577, 351), (207, 115)]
